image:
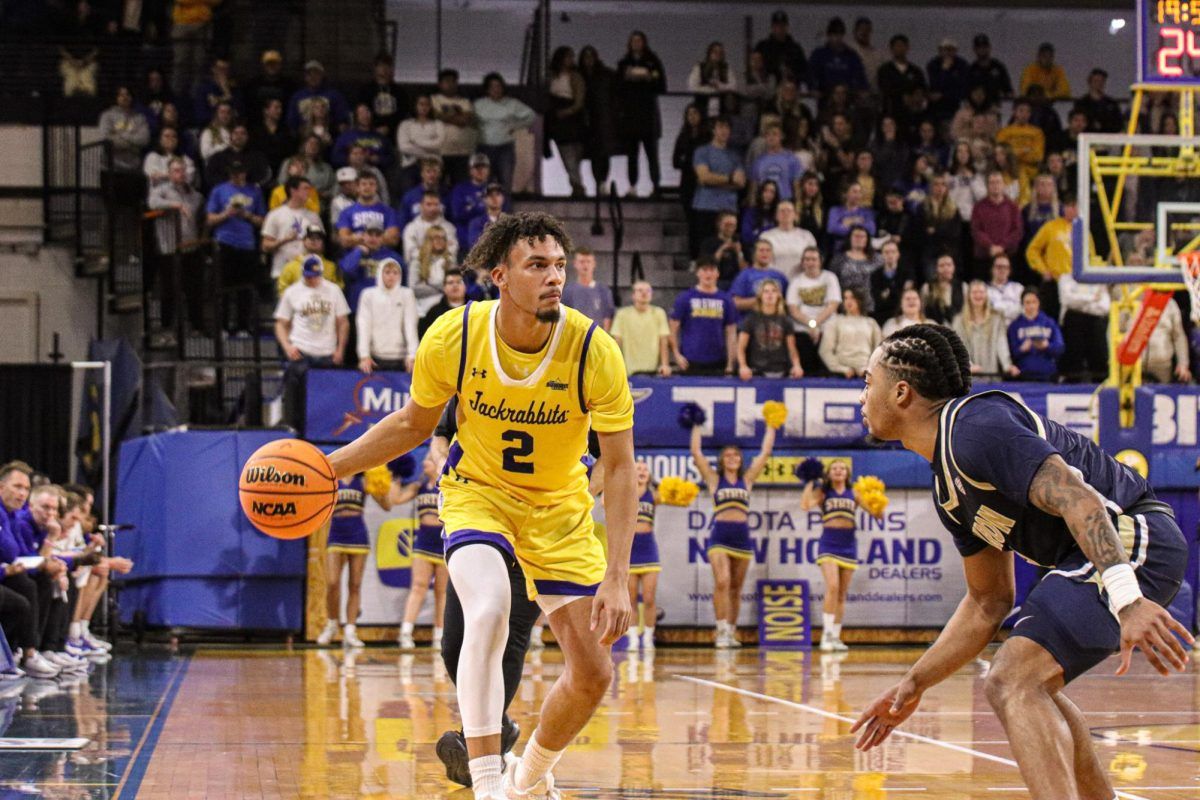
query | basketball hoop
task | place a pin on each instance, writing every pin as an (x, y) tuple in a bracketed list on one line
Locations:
[(1189, 265)]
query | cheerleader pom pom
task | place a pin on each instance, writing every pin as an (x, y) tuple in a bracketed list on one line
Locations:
[(691, 415), (874, 503), (377, 481), (868, 484), (774, 413), (809, 470), (675, 491)]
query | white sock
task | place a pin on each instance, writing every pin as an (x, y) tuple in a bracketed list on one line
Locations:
[(536, 761), (75, 631), (535, 635), (827, 625), (836, 630), (437, 634), (406, 628), (87, 627), (648, 633), (349, 629), (485, 776)]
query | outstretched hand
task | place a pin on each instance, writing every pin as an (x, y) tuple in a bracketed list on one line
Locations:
[(885, 713), (611, 611), (1148, 625)]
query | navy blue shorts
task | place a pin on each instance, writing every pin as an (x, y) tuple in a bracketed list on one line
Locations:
[(348, 535), (428, 544), (839, 546), (643, 556), (1067, 612), (732, 538)]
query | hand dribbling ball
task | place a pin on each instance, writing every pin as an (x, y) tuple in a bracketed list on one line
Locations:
[(288, 489)]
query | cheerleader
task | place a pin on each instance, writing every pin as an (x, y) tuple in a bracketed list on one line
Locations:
[(837, 554), (348, 547), (729, 548), (643, 562), (428, 555)]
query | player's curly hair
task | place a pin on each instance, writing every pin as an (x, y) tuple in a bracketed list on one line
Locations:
[(930, 358), (501, 236)]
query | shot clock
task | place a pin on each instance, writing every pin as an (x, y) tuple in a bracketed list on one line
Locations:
[(1169, 42)]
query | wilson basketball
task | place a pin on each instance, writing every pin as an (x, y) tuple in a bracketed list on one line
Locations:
[(288, 489)]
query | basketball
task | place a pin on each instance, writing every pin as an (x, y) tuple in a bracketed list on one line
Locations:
[(287, 489)]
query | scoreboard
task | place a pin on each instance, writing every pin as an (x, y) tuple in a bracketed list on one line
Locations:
[(1169, 42)]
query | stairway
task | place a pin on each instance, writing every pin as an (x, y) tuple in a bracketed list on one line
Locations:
[(655, 229)]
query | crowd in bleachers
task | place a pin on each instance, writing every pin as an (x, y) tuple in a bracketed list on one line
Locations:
[(53, 575), (831, 197)]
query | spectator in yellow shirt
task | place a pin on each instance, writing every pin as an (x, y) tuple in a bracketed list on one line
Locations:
[(314, 246), (1049, 253), (1045, 73), (279, 194), (643, 334), (1026, 141)]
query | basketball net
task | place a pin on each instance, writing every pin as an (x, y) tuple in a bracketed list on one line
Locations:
[(1189, 264)]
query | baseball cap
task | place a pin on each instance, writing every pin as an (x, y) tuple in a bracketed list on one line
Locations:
[(236, 166), (373, 227), (345, 174), (271, 55), (493, 188), (314, 231), (779, 18), (314, 64), (948, 42), (480, 160), (312, 266), (982, 40), (1045, 47)]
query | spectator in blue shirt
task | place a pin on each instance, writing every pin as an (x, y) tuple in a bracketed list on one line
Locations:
[(835, 63), (314, 86), (776, 164), (363, 134), (589, 298), (367, 210), (235, 213), (704, 325), (745, 285), (431, 181), (494, 202), (719, 177), (360, 264), (210, 92), (467, 198), (949, 77), (1035, 340)]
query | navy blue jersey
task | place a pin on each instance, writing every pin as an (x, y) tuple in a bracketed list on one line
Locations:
[(989, 446)]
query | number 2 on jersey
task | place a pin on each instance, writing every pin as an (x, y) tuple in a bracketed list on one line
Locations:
[(522, 448)]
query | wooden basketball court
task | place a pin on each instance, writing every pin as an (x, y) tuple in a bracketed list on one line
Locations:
[(685, 723)]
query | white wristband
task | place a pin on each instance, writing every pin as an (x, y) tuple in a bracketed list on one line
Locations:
[(1121, 584)]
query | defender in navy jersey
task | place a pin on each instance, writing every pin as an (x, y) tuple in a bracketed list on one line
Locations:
[(1007, 479)]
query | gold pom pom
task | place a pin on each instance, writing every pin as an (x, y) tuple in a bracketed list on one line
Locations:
[(875, 503), (377, 481), (774, 413), (676, 491), (869, 483)]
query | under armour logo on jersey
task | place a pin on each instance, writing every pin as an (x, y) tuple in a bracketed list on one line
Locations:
[(556, 386), (480, 373)]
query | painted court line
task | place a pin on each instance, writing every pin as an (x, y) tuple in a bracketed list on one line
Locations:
[(820, 712)]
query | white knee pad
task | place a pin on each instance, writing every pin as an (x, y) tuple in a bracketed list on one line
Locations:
[(480, 578)]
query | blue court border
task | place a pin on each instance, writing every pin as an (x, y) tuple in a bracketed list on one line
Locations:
[(131, 782)]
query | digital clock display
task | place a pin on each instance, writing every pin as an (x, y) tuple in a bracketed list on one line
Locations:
[(1169, 41)]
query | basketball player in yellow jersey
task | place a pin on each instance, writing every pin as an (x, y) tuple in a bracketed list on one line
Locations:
[(531, 377)]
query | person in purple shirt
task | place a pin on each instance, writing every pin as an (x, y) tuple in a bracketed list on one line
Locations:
[(431, 181), (364, 134), (835, 63), (852, 212), (1035, 340), (494, 203), (366, 211), (704, 325), (745, 285), (467, 198), (314, 86), (360, 264), (777, 164), (585, 295)]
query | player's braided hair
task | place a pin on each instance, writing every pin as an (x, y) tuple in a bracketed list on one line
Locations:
[(501, 236), (930, 358)]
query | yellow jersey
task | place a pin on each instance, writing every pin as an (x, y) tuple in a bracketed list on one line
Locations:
[(523, 417)]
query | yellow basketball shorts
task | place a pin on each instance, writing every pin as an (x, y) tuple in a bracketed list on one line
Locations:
[(556, 546)]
